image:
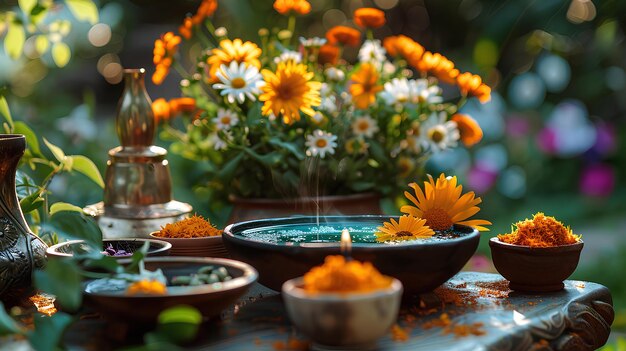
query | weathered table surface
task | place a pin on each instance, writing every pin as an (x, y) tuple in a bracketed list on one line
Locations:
[(578, 317)]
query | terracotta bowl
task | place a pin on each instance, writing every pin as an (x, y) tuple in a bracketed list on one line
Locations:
[(342, 321), (209, 299), (67, 249), (535, 269), (420, 266), (210, 246)]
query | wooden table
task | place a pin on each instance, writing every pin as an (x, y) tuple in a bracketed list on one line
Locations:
[(477, 304)]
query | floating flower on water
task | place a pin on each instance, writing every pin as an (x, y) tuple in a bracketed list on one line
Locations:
[(442, 205), (367, 17), (290, 90), (334, 74), (319, 143), (343, 35), (472, 85), (163, 54), (225, 119), (328, 54), (238, 81), (439, 134), (470, 131), (541, 231), (337, 275), (364, 126), (314, 42), (364, 86), (371, 51), (407, 228), (207, 9), (289, 56), (421, 92), (146, 287), (235, 50), (286, 7)]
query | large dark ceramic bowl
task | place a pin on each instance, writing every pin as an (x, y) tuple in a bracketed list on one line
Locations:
[(420, 265), (535, 269), (68, 248), (209, 299)]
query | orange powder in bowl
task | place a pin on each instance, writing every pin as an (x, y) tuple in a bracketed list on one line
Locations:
[(337, 275), (541, 231), (192, 227)]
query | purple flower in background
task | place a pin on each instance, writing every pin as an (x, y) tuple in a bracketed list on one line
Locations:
[(481, 179), (517, 126), (597, 180), (479, 263), (606, 141), (547, 141)]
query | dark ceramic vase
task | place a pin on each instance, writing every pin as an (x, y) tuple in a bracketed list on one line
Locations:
[(21, 251)]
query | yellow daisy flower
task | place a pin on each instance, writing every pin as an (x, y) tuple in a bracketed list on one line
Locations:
[(408, 228), (233, 51), (442, 205), (289, 90)]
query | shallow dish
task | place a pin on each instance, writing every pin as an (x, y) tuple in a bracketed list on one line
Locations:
[(210, 246), (420, 265), (67, 249), (535, 269), (342, 321), (209, 299)]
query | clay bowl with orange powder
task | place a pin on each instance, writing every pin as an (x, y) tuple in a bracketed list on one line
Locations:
[(193, 237), (538, 255), (343, 305)]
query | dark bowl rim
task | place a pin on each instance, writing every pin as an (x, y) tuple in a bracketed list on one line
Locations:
[(12, 136), (249, 276), (229, 236), (496, 243), (53, 250)]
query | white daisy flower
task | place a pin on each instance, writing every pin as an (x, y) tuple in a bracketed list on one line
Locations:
[(334, 74), (364, 126), (389, 68), (328, 104), (318, 117), (239, 81), (397, 91), (289, 56), (219, 143), (421, 92), (320, 143), (225, 119), (314, 42), (437, 134), (371, 51)]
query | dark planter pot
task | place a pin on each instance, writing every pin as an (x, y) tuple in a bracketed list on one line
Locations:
[(356, 204), (420, 266), (21, 251), (535, 269)]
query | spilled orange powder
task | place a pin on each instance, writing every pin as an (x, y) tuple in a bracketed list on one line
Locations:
[(192, 227), (398, 333), (337, 275), (541, 231)]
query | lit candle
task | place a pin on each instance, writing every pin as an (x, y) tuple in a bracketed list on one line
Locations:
[(346, 244)]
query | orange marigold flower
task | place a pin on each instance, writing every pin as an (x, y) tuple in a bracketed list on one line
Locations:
[(159, 74), (233, 50), (364, 86), (285, 7), (438, 65), (541, 231), (368, 17), (343, 35), (185, 30), (337, 275), (146, 287), (328, 54), (161, 110), (403, 46), (183, 104), (470, 131), (472, 85), (206, 9), (164, 50)]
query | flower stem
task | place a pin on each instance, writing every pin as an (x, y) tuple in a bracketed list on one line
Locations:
[(291, 27), (369, 34)]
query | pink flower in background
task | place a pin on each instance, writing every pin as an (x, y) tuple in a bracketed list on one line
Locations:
[(597, 180), (517, 126), (481, 179), (546, 141), (479, 263)]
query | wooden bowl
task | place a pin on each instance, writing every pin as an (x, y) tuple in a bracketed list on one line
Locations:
[(210, 246), (535, 269)]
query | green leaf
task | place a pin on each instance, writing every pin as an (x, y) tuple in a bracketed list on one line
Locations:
[(288, 146), (61, 54), (362, 186), (73, 225), (31, 138), (14, 40), (85, 166), (41, 44), (83, 10), (38, 13), (31, 202), (63, 206), (27, 5), (226, 172), (268, 160), (62, 279), (56, 151), (48, 331), (7, 324), (5, 112), (136, 258)]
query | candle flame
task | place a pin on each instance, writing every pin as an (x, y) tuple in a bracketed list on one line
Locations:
[(346, 243)]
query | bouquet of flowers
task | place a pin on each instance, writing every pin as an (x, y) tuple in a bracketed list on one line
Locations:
[(287, 116)]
